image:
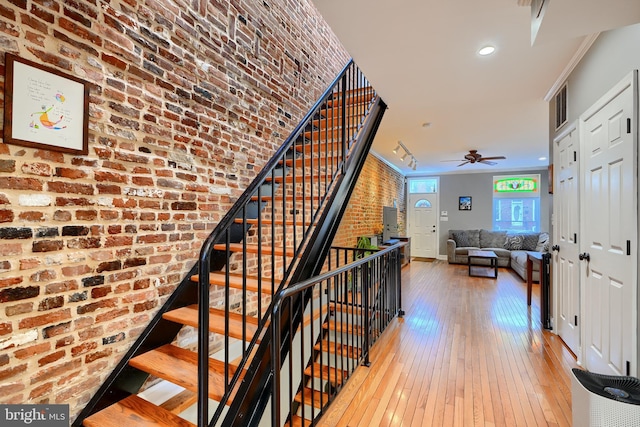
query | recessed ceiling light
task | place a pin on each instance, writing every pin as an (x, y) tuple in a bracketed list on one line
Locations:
[(542, 158), (487, 50)]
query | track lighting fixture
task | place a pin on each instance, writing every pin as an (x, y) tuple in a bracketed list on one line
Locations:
[(413, 163)]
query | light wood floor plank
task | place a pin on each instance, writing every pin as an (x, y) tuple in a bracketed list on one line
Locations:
[(469, 352)]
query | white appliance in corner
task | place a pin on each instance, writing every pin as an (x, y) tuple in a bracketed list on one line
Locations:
[(604, 400)]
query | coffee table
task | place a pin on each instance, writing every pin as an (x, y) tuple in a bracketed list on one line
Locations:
[(476, 255)]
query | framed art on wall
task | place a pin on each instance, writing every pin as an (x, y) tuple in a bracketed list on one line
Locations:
[(45, 108), (464, 203)]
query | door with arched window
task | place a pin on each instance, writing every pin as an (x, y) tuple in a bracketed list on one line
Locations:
[(422, 213)]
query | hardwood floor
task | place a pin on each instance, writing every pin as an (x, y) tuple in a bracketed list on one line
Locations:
[(469, 352)]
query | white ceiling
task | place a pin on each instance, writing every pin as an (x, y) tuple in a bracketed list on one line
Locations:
[(420, 55)]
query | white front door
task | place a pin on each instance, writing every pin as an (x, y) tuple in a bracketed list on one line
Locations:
[(566, 267), (423, 220), (608, 130)]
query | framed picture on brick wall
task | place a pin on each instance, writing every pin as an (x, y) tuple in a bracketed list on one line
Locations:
[(45, 108)]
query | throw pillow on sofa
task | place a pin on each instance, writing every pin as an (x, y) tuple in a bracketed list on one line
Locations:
[(492, 239), (514, 242), (543, 242), (522, 242), (462, 239), (530, 241)]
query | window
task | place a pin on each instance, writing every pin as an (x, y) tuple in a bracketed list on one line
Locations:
[(423, 203), (423, 185), (516, 203)]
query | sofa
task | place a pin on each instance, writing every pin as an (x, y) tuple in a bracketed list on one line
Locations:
[(511, 248)]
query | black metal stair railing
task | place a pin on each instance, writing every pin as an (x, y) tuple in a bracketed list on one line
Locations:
[(262, 251), (349, 308)]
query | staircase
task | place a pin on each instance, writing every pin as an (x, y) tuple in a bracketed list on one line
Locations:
[(277, 233)]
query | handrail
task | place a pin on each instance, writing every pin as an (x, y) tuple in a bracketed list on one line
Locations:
[(374, 300), (279, 174)]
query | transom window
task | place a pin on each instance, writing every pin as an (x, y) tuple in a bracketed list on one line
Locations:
[(423, 185)]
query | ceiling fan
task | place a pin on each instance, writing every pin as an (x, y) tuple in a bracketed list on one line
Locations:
[(474, 157)]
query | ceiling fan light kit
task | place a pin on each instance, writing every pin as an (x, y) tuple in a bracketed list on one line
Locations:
[(474, 157)]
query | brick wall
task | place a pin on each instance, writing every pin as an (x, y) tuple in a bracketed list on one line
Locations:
[(378, 186), (188, 100)]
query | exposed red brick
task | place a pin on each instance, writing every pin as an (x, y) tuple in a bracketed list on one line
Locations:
[(14, 310), (11, 388), (68, 187), (32, 322), (87, 215), (50, 358), (5, 328), (98, 355), (83, 348), (10, 281), (32, 216), (41, 169), (54, 371), (70, 173), (20, 183), (11, 372), (41, 390)]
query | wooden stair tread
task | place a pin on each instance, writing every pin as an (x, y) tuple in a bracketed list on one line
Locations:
[(299, 178), (337, 348), (343, 327), (180, 367), (336, 123), (288, 197), (330, 150), (346, 308), (180, 402), (134, 411), (312, 397), (253, 284), (324, 162), (189, 316), (352, 99), (297, 421), (253, 249), (327, 373), (320, 135), (254, 221)]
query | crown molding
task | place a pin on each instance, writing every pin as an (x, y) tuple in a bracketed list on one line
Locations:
[(573, 62), (386, 162)]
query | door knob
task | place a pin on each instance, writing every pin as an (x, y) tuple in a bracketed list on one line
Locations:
[(585, 256), (555, 248)]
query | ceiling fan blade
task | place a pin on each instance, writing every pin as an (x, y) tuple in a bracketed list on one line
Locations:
[(462, 164), (458, 160), (494, 158), (487, 162)]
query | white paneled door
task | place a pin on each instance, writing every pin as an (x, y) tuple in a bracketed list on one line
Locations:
[(423, 220), (609, 226), (566, 267)]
